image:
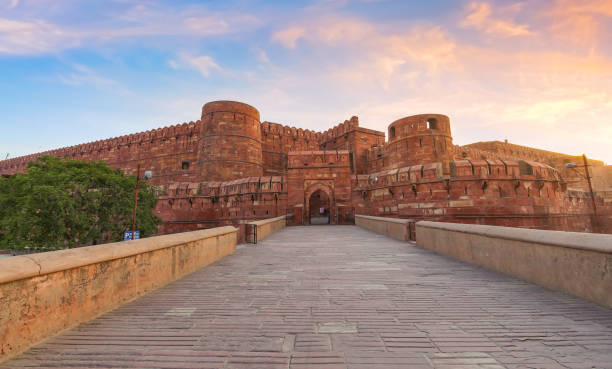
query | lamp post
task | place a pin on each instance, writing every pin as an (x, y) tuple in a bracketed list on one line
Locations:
[(588, 178), (147, 175)]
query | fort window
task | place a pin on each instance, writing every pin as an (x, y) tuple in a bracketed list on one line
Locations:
[(432, 123), (392, 132), (525, 168), (185, 165), (420, 142)]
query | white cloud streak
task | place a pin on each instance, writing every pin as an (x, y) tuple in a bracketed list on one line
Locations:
[(204, 64), (39, 36)]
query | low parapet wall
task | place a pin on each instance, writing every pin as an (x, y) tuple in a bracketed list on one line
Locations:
[(266, 227), (43, 294), (400, 229), (579, 264)]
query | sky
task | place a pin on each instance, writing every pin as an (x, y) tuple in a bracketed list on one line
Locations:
[(536, 72)]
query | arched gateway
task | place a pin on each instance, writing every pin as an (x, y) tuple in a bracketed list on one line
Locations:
[(319, 205)]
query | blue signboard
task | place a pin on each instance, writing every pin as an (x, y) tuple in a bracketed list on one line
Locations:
[(127, 235)]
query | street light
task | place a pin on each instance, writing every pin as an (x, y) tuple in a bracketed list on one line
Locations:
[(147, 175), (587, 176)]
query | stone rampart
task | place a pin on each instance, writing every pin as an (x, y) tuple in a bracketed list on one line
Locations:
[(495, 192), (196, 205), (579, 264), (43, 294), (278, 140), (170, 152), (339, 130)]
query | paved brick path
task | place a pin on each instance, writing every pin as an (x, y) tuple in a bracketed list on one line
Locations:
[(339, 297)]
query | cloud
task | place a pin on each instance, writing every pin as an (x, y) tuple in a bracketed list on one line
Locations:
[(82, 75), (40, 35), (288, 37), (355, 51), (580, 22), (19, 38), (204, 64), (518, 90), (480, 17)]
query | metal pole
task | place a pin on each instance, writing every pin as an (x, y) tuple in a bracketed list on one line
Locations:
[(588, 177), (135, 200)]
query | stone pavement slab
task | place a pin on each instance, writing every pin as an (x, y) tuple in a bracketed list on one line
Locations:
[(338, 297)]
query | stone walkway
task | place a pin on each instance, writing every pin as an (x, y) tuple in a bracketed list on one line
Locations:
[(338, 297)]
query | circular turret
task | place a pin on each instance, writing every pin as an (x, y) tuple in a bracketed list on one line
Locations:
[(231, 139), (420, 139)]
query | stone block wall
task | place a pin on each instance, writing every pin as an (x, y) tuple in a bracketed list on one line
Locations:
[(575, 263), (170, 152)]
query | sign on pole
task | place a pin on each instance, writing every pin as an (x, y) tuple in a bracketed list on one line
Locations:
[(127, 235)]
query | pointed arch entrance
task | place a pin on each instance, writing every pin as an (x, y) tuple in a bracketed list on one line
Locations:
[(319, 205), (319, 208)]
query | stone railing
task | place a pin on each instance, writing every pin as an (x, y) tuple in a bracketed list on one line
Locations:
[(43, 294), (579, 264), (401, 229), (260, 229)]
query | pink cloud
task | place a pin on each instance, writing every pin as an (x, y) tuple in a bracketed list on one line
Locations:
[(481, 17)]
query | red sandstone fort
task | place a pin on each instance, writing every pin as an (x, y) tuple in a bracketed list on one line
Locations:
[(229, 168)]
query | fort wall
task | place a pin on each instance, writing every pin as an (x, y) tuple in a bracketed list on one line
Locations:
[(170, 152), (278, 140), (494, 192), (228, 169), (187, 206), (358, 140), (573, 176), (325, 170)]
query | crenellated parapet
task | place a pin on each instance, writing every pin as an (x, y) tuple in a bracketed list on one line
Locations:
[(194, 205), (277, 129), (517, 193), (242, 186), (340, 130), (118, 150)]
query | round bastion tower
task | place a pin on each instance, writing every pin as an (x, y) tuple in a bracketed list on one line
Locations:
[(421, 139), (231, 141)]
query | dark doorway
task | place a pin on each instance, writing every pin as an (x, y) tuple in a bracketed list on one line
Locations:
[(319, 208)]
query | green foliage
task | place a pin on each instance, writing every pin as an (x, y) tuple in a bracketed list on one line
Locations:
[(62, 203)]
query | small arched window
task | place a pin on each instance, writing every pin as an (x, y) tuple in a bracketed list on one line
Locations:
[(432, 123), (392, 132)]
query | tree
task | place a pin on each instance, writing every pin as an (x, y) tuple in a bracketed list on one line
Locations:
[(62, 203)]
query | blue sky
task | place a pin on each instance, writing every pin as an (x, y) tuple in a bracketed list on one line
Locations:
[(537, 73)]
